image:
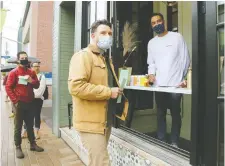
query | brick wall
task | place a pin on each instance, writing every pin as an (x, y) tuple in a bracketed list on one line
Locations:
[(44, 35), (33, 22)]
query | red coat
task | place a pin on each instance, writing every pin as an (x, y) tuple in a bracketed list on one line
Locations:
[(18, 92)]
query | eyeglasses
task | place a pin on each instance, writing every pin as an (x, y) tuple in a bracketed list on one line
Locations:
[(36, 66)]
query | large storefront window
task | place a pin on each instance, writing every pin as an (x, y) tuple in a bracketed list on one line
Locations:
[(142, 117)]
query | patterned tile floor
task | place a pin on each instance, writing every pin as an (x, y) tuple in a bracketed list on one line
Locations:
[(57, 152)]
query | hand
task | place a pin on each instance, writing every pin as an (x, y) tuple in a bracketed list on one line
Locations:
[(151, 78), (29, 79), (116, 92), (183, 84)]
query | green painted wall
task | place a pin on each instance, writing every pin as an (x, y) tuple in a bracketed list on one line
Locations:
[(67, 27)]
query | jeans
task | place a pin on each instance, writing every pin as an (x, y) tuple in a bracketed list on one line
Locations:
[(171, 101), (23, 112), (37, 106)]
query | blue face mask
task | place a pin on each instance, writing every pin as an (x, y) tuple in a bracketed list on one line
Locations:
[(104, 42), (160, 28)]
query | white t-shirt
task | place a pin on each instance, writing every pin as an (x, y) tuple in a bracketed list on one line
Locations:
[(168, 58)]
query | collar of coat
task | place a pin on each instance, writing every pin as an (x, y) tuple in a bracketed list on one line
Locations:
[(95, 49)]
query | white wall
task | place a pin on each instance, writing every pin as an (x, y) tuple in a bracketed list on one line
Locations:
[(93, 11), (78, 26), (102, 10), (185, 22), (98, 11)]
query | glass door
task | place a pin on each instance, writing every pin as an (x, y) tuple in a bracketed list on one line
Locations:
[(213, 65), (208, 84)]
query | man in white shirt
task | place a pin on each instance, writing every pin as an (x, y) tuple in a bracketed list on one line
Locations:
[(38, 101), (168, 61)]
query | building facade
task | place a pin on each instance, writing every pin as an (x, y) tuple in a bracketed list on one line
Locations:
[(202, 26), (36, 35)]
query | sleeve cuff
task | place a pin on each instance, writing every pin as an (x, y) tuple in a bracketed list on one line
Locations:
[(109, 93)]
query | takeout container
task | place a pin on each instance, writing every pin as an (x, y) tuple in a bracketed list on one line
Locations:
[(139, 80)]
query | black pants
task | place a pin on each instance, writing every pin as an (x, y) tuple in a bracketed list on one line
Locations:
[(170, 101), (37, 106), (23, 112)]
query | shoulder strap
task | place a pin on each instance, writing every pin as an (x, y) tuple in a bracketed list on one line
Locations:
[(113, 72)]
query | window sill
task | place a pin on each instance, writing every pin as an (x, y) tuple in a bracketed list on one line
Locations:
[(152, 146)]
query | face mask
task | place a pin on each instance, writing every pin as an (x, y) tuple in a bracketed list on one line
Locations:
[(160, 28), (24, 62), (104, 42)]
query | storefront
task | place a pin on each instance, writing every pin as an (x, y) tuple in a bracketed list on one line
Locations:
[(134, 142)]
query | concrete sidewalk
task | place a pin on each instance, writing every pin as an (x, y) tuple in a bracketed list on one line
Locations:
[(57, 152)]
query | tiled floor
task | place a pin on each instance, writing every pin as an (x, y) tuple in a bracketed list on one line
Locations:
[(57, 152)]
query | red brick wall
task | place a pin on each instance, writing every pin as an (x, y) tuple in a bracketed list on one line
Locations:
[(44, 35), (33, 28)]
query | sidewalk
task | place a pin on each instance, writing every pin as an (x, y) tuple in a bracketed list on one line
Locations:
[(57, 152)]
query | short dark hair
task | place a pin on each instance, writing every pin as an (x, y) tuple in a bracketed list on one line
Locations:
[(19, 53), (157, 14), (95, 25)]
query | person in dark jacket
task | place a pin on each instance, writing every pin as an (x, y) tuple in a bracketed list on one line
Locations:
[(19, 87)]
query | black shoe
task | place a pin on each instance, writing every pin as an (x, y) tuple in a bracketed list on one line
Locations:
[(35, 147), (19, 152)]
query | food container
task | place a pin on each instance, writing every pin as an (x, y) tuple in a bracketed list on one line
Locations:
[(139, 80)]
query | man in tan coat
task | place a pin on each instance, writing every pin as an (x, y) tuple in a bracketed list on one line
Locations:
[(90, 85)]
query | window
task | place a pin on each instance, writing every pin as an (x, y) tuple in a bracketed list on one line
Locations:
[(88, 21), (172, 17), (142, 118), (86, 13), (220, 12)]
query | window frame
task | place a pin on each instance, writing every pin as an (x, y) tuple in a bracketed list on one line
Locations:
[(86, 20), (117, 124), (204, 88), (200, 71)]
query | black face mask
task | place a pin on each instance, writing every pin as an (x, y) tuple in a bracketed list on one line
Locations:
[(24, 62)]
